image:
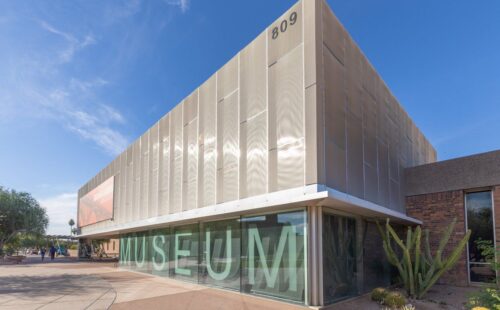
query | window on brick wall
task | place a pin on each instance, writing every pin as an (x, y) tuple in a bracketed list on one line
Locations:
[(481, 249)]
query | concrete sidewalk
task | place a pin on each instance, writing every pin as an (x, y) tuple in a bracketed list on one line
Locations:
[(68, 284)]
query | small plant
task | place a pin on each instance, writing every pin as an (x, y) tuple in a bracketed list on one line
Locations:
[(378, 294), (486, 298), (394, 300), (418, 269)]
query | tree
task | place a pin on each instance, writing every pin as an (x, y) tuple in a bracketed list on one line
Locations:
[(71, 223), (20, 212)]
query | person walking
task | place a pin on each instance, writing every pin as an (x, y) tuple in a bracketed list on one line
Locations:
[(42, 253), (52, 252)]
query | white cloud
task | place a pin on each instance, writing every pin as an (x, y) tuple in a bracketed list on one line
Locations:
[(181, 4), (60, 209), (94, 126), (72, 43), (36, 86)]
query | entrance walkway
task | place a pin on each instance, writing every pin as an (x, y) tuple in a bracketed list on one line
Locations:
[(68, 284)]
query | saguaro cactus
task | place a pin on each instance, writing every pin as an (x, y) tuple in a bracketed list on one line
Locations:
[(420, 270)]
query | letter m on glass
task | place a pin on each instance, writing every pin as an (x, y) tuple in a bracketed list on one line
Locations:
[(287, 238)]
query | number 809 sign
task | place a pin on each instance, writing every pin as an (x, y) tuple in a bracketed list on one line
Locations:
[(283, 26)]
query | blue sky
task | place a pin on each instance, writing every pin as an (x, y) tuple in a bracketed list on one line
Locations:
[(80, 80)]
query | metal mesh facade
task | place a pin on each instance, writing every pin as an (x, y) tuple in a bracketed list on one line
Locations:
[(299, 105)]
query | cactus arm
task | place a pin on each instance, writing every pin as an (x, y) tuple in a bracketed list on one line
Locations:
[(443, 242), (449, 262), (418, 233), (427, 247), (407, 264)]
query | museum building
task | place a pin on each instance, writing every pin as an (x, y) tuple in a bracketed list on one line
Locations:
[(269, 177)]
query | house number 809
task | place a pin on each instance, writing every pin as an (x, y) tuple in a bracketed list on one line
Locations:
[(284, 25)]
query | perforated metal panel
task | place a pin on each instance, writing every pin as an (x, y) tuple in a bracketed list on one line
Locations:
[(290, 165), (229, 183), (371, 183), (207, 139), (164, 166), (144, 204), (383, 174), (228, 135), (256, 155), (230, 143), (394, 195), (227, 79), (334, 34), (190, 106), (253, 78), (130, 183), (176, 160), (286, 99), (190, 187), (335, 122), (287, 35), (123, 186), (117, 189), (355, 181), (209, 174), (154, 166), (136, 202), (370, 131), (208, 112)]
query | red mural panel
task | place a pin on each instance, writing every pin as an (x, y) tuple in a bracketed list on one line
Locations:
[(97, 205)]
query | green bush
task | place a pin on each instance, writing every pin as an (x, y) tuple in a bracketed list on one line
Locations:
[(394, 300), (378, 294), (487, 297)]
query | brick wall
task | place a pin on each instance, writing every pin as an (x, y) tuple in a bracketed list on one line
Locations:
[(436, 211)]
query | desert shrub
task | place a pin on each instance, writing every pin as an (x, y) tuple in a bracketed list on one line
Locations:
[(394, 300), (378, 294), (488, 298)]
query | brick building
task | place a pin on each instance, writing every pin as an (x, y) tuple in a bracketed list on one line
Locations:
[(468, 189)]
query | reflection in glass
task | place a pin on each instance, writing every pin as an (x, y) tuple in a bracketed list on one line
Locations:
[(480, 222), (376, 268), (220, 255), (339, 257), (273, 258)]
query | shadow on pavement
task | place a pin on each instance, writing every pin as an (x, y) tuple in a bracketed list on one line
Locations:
[(35, 286)]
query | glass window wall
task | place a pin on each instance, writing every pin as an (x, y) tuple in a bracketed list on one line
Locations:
[(262, 255)]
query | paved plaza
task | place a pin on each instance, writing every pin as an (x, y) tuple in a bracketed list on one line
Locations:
[(69, 284)]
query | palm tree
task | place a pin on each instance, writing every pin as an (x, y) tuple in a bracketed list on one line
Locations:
[(71, 223)]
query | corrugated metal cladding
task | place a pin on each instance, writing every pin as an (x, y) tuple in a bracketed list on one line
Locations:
[(369, 138), (299, 105), (240, 134)]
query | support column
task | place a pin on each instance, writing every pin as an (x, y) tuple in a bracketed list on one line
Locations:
[(312, 273), (315, 257), (319, 214)]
